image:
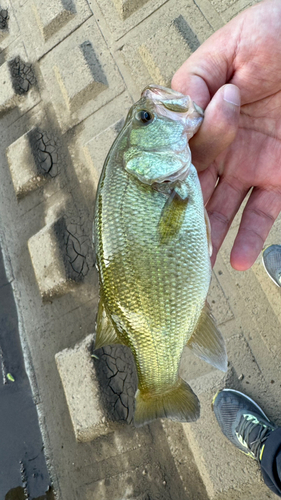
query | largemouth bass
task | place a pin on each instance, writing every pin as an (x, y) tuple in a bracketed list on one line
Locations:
[(152, 242)]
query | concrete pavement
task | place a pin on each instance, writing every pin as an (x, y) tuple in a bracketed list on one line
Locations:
[(69, 71)]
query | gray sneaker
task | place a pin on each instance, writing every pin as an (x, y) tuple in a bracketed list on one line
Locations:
[(242, 421), (271, 257)]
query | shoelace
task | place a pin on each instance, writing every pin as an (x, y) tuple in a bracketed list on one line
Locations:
[(244, 429)]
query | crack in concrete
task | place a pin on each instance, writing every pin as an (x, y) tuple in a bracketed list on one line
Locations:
[(4, 17), (22, 75)]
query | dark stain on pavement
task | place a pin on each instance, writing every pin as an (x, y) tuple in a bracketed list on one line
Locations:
[(23, 470)]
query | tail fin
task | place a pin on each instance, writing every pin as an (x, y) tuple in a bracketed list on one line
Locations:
[(179, 403)]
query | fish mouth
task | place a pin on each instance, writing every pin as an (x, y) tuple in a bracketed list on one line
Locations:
[(158, 92), (175, 106), (171, 98)]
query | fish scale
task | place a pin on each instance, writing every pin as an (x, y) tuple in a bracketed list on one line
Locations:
[(141, 266), (152, 251)]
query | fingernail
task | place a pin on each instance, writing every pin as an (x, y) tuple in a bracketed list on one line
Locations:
[(231, 94)]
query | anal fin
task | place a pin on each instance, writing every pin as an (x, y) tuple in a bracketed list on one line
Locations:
[(105, 331), (207, 342)]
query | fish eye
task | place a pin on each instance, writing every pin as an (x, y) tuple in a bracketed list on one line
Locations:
[(144, 117)]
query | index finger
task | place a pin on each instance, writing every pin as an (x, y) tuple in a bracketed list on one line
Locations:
[(258, 217)]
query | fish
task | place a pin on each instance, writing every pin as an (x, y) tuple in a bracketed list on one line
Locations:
[(153, 244)]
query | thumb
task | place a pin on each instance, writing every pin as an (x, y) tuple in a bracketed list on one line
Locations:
[(219, 127), (210, 66)]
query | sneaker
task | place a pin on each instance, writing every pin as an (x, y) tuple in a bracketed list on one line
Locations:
[(242, 421), (271, 257)]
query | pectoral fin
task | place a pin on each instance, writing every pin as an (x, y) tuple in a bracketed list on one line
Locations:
[(105, 331), (207, 342), (172, 217), (182, 191)]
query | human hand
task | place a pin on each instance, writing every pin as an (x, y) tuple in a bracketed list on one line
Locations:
[(240, 150)]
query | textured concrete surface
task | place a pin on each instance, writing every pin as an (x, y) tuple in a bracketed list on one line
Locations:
[(81, 390), (22, 164), (69, 71)]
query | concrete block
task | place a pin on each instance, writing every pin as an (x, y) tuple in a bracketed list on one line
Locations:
[(126, 7), (19, 90), (35, 171), (48, 263), (99, 392), (9, 29), (118, 381), (44, 25), (33, 158), (122, 15), (59, 255), (9, 97), (25, 175), (16, 79), (162, 44), (80, 75), (22, 75), (53, 15), (81, 390)]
